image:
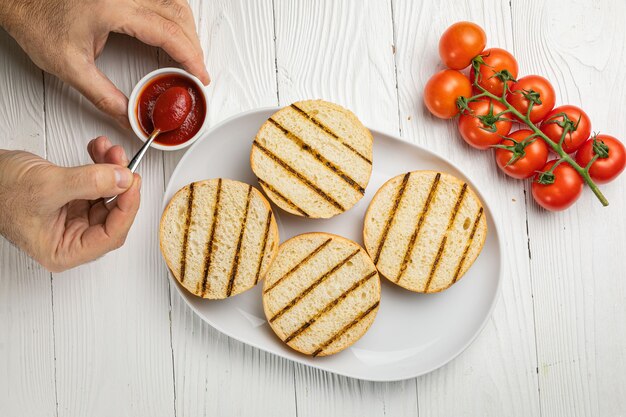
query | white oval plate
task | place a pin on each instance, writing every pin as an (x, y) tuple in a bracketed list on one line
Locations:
[(413, 333)]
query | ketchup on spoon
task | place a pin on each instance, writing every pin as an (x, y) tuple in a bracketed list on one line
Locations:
[(146, 103), (171, 109)]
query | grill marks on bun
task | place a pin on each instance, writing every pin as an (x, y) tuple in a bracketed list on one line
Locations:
[(274, 192), (298, 265), (311, 287), (298, 175), (470, 240), (186, 232), (308, 148), (218, 237), (321, 293), (330, 305), (330, 132), (313, 158), (209, 246), (417, 229), (396, 202)]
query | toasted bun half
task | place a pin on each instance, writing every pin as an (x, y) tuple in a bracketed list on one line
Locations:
[(218, 237), (313, 158), (424, 229), (321, 293)]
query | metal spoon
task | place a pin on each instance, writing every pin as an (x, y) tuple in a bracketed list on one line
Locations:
[(170, 111)]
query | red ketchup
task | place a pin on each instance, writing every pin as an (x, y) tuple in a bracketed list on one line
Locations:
[(176, 102)]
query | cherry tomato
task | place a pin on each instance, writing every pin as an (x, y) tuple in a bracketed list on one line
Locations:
[(495, 61), (536, 89), (480, 128), (563, 192), (611, 161), (523, 160), (580, 127), (442, 90), (460, 43)]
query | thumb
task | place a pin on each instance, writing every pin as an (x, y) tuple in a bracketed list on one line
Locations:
[(98, 89), (90, 182)]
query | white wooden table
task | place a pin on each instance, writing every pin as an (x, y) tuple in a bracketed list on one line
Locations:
[(113, 339)]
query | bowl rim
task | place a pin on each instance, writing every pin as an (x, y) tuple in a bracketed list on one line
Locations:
[(132, 103)]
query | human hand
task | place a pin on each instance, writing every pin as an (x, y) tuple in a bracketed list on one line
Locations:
[(56, 214), (64, 37)]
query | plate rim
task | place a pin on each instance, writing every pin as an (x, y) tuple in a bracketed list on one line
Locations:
[(396, 138)]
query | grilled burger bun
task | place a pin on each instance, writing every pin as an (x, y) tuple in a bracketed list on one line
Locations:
[(218, 237), (321, 293), (424, 229), (313, 158)]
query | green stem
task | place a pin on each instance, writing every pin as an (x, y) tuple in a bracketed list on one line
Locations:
[(557, 148)]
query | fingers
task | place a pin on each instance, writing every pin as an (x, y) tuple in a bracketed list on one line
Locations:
[(98, 147), (90, 182), (102, 151), (150, 27), (177, 11), (111, 234), (97, 88)]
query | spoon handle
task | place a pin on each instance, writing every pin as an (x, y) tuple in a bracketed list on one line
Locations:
[(134, 163)]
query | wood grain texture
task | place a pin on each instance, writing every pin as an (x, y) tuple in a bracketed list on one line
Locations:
[(127, 344), (577, 264), (342, 52), (216, 375), (111, 316), (27, 385), (496, 375)]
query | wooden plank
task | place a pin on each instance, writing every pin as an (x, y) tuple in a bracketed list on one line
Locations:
[(342, 52), (216, 375), (26, 327), (496, 375), (111, 316), (577, 262)]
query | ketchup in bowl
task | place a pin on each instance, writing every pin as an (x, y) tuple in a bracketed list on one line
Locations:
[(148, 97)]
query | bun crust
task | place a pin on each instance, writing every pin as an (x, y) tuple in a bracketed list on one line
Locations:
[(424, 229), (218, 237), (321, 293), (313, 158)]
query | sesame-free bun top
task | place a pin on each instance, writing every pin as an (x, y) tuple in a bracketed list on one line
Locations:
[(424, 229), (321, 293), (218, 237), (313, 158)]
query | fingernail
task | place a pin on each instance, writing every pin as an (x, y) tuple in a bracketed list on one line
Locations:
[(123, 177)]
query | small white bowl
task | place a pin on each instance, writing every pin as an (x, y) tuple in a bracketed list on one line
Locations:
[(132, 106)]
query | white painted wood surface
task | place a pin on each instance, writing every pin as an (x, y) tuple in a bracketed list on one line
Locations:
[(111, 338)]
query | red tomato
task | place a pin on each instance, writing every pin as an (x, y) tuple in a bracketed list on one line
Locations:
[(495, 60), (480, 127), (563, 192), (522, 161), (537, 89), (580, 127), (442, 91), (460, 43), (611, 161)]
